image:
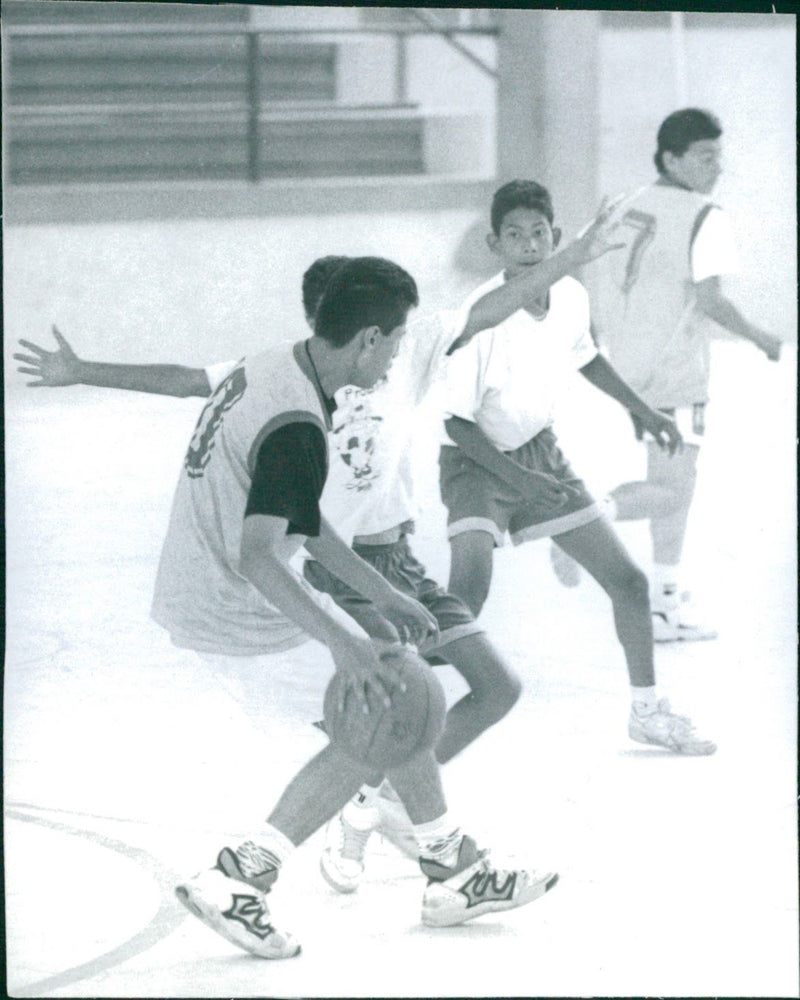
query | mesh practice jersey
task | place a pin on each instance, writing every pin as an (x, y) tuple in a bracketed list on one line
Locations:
[(645, 310), (200, 596)]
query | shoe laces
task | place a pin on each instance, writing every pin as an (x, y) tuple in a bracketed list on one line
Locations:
[(353, 840), (501, 875), (683, 721)]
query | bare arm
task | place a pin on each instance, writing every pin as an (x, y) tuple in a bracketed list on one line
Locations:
[(413, 621), (605, 378), (63, 367), (502, 302), (262, 561), (532, 485), (719, 308)]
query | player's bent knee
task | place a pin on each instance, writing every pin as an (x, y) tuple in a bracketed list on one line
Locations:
[(501, 697), (388, 736)]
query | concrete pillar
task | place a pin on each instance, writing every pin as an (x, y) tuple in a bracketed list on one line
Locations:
[(547, 106)]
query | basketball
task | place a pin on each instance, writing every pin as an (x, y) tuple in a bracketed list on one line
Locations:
[(388, 735)]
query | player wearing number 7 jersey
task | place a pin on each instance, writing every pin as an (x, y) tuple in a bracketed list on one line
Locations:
[(651, 312)]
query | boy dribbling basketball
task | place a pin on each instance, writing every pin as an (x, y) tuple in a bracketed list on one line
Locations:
[(247, 499)]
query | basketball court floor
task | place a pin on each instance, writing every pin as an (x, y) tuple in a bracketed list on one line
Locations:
[(126, 768)]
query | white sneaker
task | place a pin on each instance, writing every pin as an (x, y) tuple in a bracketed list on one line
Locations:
[(663, 728), (473, 887), (679, 621), (237, 911), (565, 568), (342, 860)]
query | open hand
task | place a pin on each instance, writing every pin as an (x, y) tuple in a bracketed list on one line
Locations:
[(597, 238), (663, 428), (53, 368)]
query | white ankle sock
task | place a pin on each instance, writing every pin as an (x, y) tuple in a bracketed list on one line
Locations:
[(645, 699), (362, 817), (366, 796), (361, 811), (439, 840), (665, 579)]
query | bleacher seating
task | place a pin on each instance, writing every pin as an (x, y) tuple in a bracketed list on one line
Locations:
[(124, 102)]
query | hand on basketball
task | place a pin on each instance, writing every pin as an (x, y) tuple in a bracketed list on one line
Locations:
[(365, 673), (413, 621), (52, 368), (545, 489), (663, 428)]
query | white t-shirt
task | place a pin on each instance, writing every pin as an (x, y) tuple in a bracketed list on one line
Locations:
[(370, 485), (508, 379), (714, 247)]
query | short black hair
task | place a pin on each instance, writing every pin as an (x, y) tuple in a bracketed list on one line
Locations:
[(680, 129), (364, 291), (520, 194), (316, 278)]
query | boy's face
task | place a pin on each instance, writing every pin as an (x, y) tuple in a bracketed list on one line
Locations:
[(698, 168), (525, 238), (378, 351)]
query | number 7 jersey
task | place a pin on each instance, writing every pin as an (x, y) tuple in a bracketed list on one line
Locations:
[(645, 310)]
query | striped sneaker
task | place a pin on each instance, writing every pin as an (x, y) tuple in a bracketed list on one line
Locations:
[(231, 899), (473, 887)]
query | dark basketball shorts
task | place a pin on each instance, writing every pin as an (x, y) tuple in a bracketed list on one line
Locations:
[(476, 500), (397, 564)]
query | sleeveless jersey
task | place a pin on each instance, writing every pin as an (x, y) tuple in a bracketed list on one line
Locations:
[(200, 597), (645, 311)]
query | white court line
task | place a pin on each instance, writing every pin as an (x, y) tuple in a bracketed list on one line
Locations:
[(166, 920)]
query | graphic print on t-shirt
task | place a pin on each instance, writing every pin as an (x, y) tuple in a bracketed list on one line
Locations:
[(355, 434), (227, 395)]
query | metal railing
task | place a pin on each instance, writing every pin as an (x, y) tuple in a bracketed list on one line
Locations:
[(254, 35)]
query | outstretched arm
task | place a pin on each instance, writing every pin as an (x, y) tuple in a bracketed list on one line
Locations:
[(532, 485), (64, 367), (604, 377), (502, 302), (719, 308)]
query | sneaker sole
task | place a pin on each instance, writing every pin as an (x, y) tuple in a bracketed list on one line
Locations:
[(212, 918), (687, 637), (698, 752), (442, 917), (343, 887)]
